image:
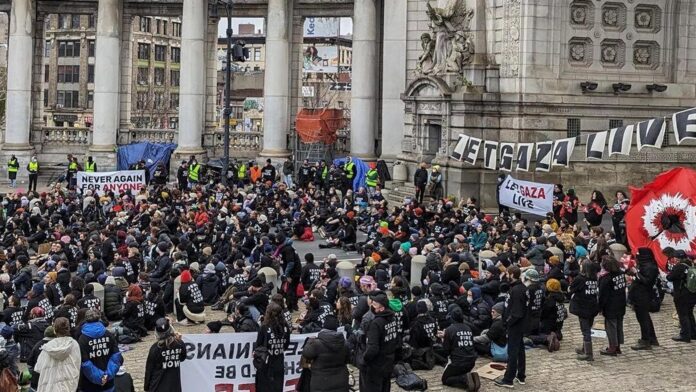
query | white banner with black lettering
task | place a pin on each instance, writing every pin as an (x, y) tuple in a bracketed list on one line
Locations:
[(526, 196), (117, 181), (223, 362)]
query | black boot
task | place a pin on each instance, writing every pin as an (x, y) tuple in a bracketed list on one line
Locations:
[(587, 356)]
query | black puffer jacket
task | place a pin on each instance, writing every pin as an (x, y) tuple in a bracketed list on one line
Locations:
[(113, 302), (329, 356), (209, 284), (584, 302), (642, 291)]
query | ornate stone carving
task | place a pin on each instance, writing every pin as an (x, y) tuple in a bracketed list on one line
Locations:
[(614, 17), (510, 65), (582, 14), (448, 46), (648, 18), (578, 15), (613, 53), (646, 54), (580, 51), (610, 17)]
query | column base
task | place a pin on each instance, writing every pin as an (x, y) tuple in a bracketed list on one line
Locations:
[(365, 157), (269, 153), (105, 157)]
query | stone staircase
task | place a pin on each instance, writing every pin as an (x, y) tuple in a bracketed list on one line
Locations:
[(397, 191)]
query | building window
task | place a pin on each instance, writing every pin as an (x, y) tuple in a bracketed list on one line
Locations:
[(573, 127), (174, 78), (91, 21), (45, 98), (158, 26), (64, 21), (46, 72), (159, 100), (159, 76), (47, 48), (141, 100), (143, 76), (613, 123), (92, 46), (176, 29), (90, 99), (90, 73), (68, 99), (145, 24), (160, 53), (68, 48), (164, 27), (68, 74), (174, 101), (143, 51), (176, 55), (173, 122), (257, 54), (76, 21)]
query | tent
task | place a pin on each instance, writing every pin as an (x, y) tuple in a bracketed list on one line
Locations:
[(152, 153), (361, 169)]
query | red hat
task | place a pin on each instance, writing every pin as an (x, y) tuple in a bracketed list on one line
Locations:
[(373, 165), (186, 276)]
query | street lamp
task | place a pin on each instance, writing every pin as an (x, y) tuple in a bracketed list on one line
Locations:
[(228, 86)]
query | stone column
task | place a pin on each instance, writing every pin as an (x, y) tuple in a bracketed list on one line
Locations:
[(19, 75), (276, 86), (107, 81), (193, 74), (363, 102), (393, 77)]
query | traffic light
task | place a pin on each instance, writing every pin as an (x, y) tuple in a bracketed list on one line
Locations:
[(239, 52)]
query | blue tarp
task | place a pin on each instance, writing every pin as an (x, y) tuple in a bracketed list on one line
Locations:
[(152, 153), (360, 170)]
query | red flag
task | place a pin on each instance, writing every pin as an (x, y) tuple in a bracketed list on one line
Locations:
[(663, 214)]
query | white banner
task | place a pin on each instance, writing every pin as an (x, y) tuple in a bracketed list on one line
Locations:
[(223, 362), (526, 196), (116, 182)]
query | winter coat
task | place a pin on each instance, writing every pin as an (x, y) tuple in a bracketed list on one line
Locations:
[(59, 365), (480, 313), (63, 280), (381, 345), (100, 356), (27, 335), (22, 282), (516, 314), (209, 284), (113, 302), (642, 291), (422, 331), (583, 300), (612, 295), (536, 255), (134, 317), (163, 367), (33, 358), (329, 355), (553, 313), (678, 277), (478, 240)]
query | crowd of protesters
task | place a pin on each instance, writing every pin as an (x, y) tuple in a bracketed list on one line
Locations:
[(197, 248)]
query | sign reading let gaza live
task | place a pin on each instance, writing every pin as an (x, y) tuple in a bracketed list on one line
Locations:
[(531, 197), (117, 182)]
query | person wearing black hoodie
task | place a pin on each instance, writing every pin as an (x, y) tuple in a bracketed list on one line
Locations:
[(274, 335), (328, 353), (684, 299), (422, 336), (243, 322), (30, 333), (163, 366), (380, 352), (640, 293), (516, 318), (458, 341), (584, 304), (612, 303), (154, 307)]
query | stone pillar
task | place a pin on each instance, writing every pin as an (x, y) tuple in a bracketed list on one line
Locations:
[(347, 269), (417, 264), (19, 74), (107, 81), (276, 85), (393, 77), (363, 102), (271, 277), (193, 76)]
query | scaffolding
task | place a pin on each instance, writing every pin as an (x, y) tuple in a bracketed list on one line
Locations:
[(316, 134)]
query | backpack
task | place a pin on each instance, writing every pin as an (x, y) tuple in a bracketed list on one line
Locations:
[(691, 279), (409, 381), (261, 355)]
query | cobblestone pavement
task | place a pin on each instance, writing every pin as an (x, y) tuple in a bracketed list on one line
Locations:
[(669, 367)]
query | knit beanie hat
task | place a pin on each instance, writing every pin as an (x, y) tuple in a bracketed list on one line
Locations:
[(499, 308), (214, 326), (553, 286)]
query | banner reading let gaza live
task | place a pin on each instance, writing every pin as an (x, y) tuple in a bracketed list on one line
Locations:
[(223, 362), (531, 197), (116, 182)]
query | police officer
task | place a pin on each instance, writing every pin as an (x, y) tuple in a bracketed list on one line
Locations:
[(90, 165), (242, 174), (12, 168), (349, 170), (382, 338), (458, 341), (33, 169), (194, 171), (684, 299), (371, 179)]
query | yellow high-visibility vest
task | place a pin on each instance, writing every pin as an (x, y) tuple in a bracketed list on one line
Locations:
[(89, 167), (371, 179), (349, 170), (241, 172), (33, 167), (193, 172)]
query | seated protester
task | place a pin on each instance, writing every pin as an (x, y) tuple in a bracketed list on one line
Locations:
[(133, 313), (11, 345), (344, 237), (119, 274), (29, 333), (189, 303), (13, 314), (256, 298), (168, 294), (313, 318), (101, 358), (77, 286), (310, 272), (209, 283), (49, 334), (479, 309), (457, 340), (89, 300), (493, 341), (553, 313), (440, 304), (113, 300), (58, 364), (490, 284), (37, 298), (68, 310), (154, 307), (52, 290), (422, 336), (328, 353), (242, 321)]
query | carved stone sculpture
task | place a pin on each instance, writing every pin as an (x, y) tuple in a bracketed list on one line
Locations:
[(425, 61), (448, 46)]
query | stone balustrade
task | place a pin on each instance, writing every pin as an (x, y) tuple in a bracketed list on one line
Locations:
[(135, 135), (61, 136)]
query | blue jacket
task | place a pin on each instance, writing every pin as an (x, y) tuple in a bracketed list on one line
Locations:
[(96, 364), (478, 240)]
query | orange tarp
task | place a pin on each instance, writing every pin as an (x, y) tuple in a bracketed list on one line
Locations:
[(318, 125)]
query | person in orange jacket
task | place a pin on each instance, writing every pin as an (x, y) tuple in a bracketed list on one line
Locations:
[(255, 173)]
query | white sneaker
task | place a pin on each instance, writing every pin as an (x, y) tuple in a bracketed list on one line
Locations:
[(184, 323)]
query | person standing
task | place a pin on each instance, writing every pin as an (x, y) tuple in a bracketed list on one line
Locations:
[(182, 176), (163, 366), (612, 303), (194, 172), (515, 316), (59, 362), (305, 174), (684, 299), (458, 341), (381, 344), (350, 170), (274, 336), (268, 173), (372, 178), (584, 304), (501, 208), (420, 180), (90, 165), (33, 169), (12, 168), (73, 168), (328, 353), (242, 174), (435, 185), (640, 294), (288, 171), (618, 215), (322, 176)]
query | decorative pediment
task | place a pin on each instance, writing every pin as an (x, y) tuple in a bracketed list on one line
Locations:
[(428, 87)]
